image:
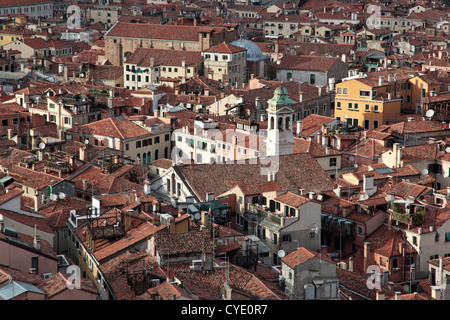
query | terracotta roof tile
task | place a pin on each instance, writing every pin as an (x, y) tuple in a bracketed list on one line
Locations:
[(299, 62)]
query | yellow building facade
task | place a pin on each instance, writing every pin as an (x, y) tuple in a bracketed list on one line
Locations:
[(11, 34), (371, 102)]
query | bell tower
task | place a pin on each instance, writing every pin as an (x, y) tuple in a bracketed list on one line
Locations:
[(279, 132)]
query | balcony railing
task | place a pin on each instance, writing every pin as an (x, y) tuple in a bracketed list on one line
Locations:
[(265, 213), (411, 216)]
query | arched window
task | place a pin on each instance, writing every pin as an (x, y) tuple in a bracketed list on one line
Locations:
[(138, 158), (149, 157), (272, 123), (288, 123), (166, 152), (156, 154), (280, 123)]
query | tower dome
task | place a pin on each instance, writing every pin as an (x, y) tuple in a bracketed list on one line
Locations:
[(254, 53), (280, 98)]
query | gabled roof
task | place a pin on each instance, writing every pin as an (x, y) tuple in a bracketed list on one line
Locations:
[(143, 57), (225, 48), (299, 257), (292, 199), (58, 283), (116, 127), (292, 171), (303, 62)]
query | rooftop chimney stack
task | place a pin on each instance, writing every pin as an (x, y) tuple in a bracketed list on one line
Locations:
[(36, 240)]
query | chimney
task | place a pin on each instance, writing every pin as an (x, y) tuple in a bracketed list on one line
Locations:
[(366, 255), (319, 137), (36, 240), (37, 203), (84, 184), (83, 153), (147, 187), (396, 149), (2, 225), (350, 264), (380, 81), (300, 96), (397, 295), (299, 126), (10, 134)]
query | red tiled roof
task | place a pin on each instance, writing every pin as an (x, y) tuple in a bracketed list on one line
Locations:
[(143, 56), (113, 127), (300, 62), (58, 283), (225, 48), (292, 199), (155, 31), (314, 122), (293, 171)]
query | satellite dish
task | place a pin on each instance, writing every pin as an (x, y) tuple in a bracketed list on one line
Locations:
[(351, 158), (424, 171), (345, 116), (430, 113), (86, 141), (197, 216), (42, 146), (281, 253), (355, 165), (447, 150)]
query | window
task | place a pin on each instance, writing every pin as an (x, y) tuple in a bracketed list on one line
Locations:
[(15, 121), (375, 108), (375, 124), (339, 91), (312, 79), (344, 90), (350, 106), (156, 140), (360, 231), (367, 108), (366, 124), (127, 146), (338, 105), (138, 144), (355, 107), (4, 122), (364, 93), (333, 162)]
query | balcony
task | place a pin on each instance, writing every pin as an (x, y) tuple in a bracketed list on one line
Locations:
[(265, 213), (410, 215)]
